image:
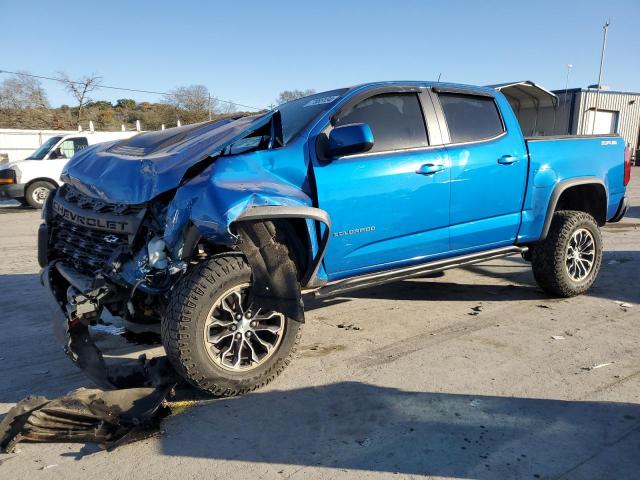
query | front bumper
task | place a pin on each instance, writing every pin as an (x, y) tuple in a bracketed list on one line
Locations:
[(75, 303), (12, 190)]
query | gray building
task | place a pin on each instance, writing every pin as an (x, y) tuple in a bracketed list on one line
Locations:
[(573, 112)]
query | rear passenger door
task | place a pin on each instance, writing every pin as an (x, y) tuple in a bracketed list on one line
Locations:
[(390, 205), (488, 162)]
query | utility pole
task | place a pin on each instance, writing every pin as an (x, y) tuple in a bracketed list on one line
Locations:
[(566, 88), (599, 85), (209, 106)]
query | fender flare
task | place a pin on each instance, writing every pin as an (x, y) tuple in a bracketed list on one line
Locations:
[(271, 212), (559, 189)]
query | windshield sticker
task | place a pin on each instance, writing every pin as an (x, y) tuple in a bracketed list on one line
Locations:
[(321, 100)]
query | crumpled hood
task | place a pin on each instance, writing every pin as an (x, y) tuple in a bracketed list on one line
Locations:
[(137, 169)]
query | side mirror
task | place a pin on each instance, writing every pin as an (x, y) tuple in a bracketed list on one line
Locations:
[(350, 139)]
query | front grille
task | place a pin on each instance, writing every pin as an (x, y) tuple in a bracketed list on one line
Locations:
[(88, 250), (75, 197)]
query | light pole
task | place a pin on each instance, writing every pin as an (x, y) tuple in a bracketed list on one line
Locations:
[(599, 85)]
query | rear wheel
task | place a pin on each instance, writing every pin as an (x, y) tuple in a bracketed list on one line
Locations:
[(567, 262), (37, 193), (216, 339)]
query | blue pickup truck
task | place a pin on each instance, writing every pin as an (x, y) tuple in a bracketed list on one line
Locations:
[(213, 233)]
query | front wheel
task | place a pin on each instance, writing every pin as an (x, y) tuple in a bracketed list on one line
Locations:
[(216, 340), (37, 193), (567, 262)]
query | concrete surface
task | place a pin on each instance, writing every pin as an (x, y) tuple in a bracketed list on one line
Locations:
[(423, 388)]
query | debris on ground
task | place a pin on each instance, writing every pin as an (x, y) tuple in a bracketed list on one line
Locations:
[(543, 306), (557, 337), (349, 326), (624, 305), (107, 329), (106, 417), (475, 310), (600, 365), (364, 442)]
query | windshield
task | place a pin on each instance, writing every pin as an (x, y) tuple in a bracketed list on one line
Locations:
[(40, 153), (297, 114)]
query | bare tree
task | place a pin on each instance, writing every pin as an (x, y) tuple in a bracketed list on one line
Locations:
[(288, 95), (23, 103), (20, 92), (227, 107), (192, 104), (81, 88)]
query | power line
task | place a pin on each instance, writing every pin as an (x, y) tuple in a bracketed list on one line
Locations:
[(110, 87)]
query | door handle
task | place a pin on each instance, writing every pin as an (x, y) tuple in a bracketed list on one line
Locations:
[(507, 159), (430, 168)]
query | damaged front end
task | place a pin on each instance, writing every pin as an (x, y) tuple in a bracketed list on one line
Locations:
[(95, 257), (101, 252)]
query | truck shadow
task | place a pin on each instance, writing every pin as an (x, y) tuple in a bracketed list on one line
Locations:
[(357, 426)]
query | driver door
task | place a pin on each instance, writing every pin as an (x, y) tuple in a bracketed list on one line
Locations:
[(389, 206)]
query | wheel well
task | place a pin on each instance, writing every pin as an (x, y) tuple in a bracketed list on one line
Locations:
[(297, 238), (293, 230), (42, 179), (590, 198), (295, 234)]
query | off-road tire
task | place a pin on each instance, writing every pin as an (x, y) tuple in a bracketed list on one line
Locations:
[(35, 186), (183, 330), (549, 256)]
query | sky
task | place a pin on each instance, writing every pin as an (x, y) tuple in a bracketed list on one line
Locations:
[(249, 51)]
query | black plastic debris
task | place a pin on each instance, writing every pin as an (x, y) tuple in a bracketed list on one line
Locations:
[(109, 418)]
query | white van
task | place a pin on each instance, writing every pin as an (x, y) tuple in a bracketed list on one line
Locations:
[(30, 180)]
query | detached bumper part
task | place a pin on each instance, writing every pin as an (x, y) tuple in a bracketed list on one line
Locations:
[(110, 418)]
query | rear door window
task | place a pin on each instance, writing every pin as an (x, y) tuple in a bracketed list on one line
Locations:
[(395, 119), (470, 117)]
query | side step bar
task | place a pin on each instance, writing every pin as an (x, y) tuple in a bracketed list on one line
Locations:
[(377, 278)]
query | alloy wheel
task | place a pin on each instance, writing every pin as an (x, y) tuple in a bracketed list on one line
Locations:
[(580, 254), (238, 337)]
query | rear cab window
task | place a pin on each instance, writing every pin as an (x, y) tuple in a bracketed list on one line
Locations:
[(395, 119), (471, 117)]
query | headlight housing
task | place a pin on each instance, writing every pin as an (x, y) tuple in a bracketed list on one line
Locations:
[(7, 176)]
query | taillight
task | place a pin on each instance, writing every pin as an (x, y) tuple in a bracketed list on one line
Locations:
[(627, 166)]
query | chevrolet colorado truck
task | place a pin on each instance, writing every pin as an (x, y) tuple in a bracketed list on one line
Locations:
[(212, 233)]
